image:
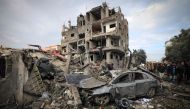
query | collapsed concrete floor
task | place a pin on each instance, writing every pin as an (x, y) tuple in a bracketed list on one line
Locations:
[(32, 79)]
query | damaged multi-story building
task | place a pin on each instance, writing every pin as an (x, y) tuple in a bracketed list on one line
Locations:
[(100, 34)]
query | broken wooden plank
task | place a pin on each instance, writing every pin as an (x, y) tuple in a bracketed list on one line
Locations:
[(76, 95)]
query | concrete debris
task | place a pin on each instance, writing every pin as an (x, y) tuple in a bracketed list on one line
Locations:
[(43, 84)]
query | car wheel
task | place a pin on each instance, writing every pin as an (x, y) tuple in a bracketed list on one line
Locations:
[(102, 99), (151, 92)]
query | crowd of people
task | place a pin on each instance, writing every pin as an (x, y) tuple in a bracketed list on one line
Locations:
[(176, 72)]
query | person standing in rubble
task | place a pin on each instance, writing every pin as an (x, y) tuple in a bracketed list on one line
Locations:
[(161, 70), (173, 78)]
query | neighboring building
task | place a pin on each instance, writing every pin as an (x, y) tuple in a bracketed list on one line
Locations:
[(52, 48), (100, 34)]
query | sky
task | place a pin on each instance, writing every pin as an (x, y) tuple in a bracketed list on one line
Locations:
[(151, 22)]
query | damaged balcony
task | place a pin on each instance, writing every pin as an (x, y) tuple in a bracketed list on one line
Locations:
[(104, 29), (97, 44), (116, 49)]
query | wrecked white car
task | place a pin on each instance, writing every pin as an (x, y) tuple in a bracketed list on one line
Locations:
[(129, 84)]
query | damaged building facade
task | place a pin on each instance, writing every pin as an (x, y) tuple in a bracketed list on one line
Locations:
[(100, 34)]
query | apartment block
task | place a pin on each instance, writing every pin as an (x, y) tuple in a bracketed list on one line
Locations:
[(100, 34)]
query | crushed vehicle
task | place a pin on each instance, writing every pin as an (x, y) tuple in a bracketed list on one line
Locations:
[(129, 84)]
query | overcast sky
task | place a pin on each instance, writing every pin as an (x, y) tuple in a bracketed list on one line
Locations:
[(151, 22)]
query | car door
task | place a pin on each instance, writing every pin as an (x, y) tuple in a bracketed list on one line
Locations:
[(142, 83), (123, 86)]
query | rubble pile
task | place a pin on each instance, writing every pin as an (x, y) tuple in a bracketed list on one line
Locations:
[(37, 80)]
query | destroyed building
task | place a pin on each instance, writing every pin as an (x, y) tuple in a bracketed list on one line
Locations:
[(100, 34)]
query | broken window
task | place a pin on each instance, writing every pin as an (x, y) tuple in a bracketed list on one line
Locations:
[(138, 76), (82, 35), (112, 25), (72, 35), (122, 79)]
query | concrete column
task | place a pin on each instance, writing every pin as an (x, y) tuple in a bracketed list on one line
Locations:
[(119, 42), (108, 59), (102, 13), (94, 58), (90, 45), (108, 42), (102, 28), (107, 12), (91, 17), (87, 55)]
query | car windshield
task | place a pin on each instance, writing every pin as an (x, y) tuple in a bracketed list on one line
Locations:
[(138, 76), (122, 79)]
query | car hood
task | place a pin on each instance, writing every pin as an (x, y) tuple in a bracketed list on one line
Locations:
[(101, 90), (83, 81), (91, 83)]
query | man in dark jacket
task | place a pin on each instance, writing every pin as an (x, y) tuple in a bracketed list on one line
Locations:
[(161, 70)]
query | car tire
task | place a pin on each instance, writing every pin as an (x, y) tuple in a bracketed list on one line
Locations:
[(102, 99), (151, 92)]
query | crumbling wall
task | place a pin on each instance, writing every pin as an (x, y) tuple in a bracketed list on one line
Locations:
[(12, 84)]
